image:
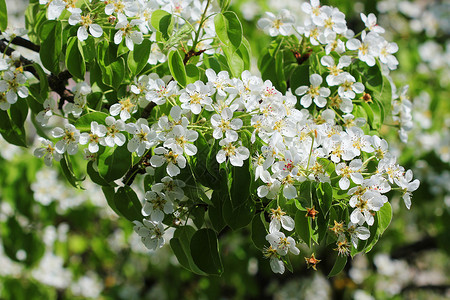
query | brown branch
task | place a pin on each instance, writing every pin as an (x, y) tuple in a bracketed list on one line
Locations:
[(138, 168), (56, 83), (19, 41)]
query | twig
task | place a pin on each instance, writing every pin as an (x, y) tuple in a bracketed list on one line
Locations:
[(56, 83)]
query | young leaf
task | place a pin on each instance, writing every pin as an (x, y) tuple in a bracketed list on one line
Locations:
[(3, 15), (205, 251), (229, 29), (177, 68), (163, 22), (138, 58)]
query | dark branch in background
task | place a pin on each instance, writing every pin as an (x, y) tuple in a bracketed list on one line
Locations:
[(56, 83), (415, 248)]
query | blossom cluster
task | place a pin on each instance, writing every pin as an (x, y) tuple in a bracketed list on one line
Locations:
[(316, 137), (131, 20), (295, 146), (13, 78)]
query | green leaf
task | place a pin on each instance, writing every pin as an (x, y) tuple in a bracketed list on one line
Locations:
[(10, 131), (95, 177), (19, 112), (180, 244), (384, 216), (303, 227), (163, 22), (224, 4), (51, 36), (300, 77), (327, 198), (138, 58), (110, 193), (43, 83), (15, 238), (128, 204), (259, 231), (197, 215), (239, 216), (382, 221), (205, 251), (228, 29), (239, 184), (215, 211), (66, 167), (3, 15), (192, 73), (84, 122), (89, 51), (177, 68), (113, 163), (339, 265), (75, 58)]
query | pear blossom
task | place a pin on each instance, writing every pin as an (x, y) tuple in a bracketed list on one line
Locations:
[(278, 219), (113, 132), (98, 131), (371, 23), (357, 233), (151, 233), (281, 243), (143, 137), (368, 49), (314, 11), (277, 25), (174, 161), (70, 137), (126, 30), (348, 86), (333, 69), (49, 108), (235, 153), (172, 188), (12, 85), (224, 123), (86, 25), (125, 108), (407, 185), (156, 206), (47, 151), (195, 96), (180, 140), (313, 92), (352, 171)]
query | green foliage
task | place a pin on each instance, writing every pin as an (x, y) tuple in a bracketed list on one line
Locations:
[(3, 15), (50, 33), (75, 58)]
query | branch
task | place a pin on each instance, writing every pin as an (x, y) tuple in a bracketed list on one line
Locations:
[(426, 243), (136, 169), (19, 41), (56, 83)]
